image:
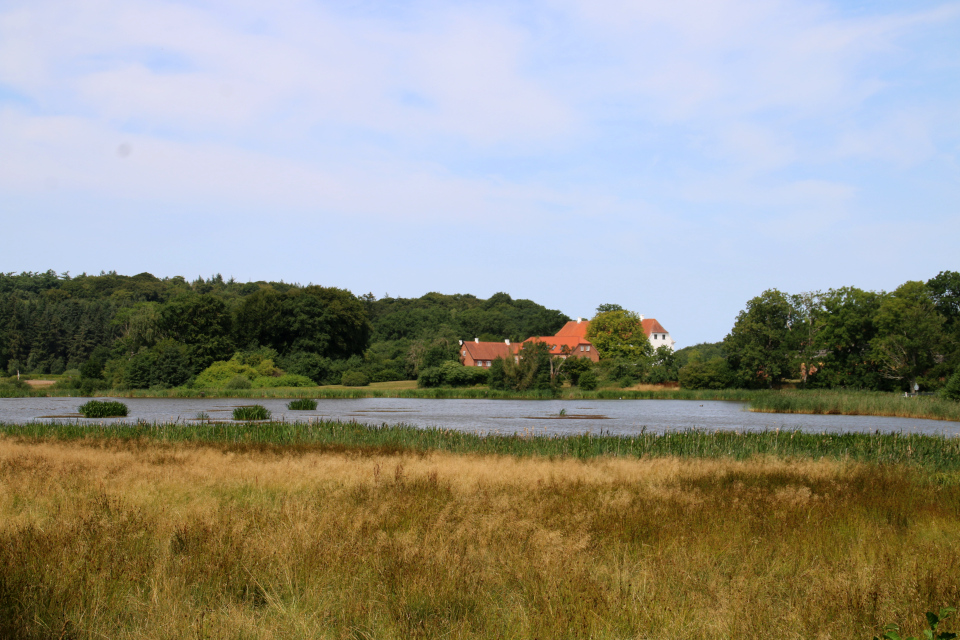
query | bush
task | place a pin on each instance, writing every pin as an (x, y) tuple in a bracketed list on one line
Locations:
[(238, 382), (286, 380), (102, 409), (218, 374), (302, 404), (588, 381), (251, 412), (430, 377), (386, 375), (715, 374), (951, 390), (354, 379), (453, 374)]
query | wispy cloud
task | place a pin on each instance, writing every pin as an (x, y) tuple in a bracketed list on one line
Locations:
[(729, 122)]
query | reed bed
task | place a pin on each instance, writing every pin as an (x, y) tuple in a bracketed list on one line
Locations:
[(933, 453), (148, 538), (856, 403)]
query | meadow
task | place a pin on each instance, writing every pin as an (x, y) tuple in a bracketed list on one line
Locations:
[(342, 531)]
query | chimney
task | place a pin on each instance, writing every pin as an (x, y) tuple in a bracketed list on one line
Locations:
[(641, 317), (461, 343), (477, 340), (578, 320), (507, 340)]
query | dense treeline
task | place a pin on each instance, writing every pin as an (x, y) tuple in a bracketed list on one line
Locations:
[(907, 339), (142, 331)]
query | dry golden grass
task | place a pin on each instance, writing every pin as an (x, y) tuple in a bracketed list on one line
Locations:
[(147, 540)]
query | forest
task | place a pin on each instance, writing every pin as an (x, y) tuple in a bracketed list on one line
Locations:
[(141, 331), (111, 331)]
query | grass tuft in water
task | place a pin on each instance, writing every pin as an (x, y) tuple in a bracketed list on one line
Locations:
[(103, 409), (251, 412), (302, 404)]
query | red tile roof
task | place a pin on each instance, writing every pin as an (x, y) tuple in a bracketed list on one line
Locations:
[(486, 350), (575, 329), (558, 342), (650, 325)]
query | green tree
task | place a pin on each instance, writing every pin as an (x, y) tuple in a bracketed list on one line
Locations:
[(533, 368), (945, 289), (618, 334), (604, 308), (909, 333), (664, 366), (761, 347), (844, 355)]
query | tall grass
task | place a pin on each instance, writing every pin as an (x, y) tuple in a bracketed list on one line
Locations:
[(933, 453), (856, 403), (227, 541)]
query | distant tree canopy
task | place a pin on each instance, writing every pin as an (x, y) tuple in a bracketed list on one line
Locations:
[(144, 331), (499, 317), (847, 337)]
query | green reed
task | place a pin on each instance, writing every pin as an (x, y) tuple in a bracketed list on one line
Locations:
[(302, 404), (251, 412), (938, 453), (101, 409)]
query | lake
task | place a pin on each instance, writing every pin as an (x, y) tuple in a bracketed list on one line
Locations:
[(618, 417)]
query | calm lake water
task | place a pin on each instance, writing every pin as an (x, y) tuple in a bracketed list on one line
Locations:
[(620, 417)]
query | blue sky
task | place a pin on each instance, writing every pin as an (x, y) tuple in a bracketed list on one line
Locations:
[(676, 158)]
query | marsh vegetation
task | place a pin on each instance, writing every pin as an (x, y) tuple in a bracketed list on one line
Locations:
[(248, 539)]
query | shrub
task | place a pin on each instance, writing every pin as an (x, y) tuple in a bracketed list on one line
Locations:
[(286, 380), (102, 409), (430, 377), (386, 375), (588, 381), (714, 374), (251, 412), (220, 373), (238, 382), (453, 374), (354, 379), (302, 404)]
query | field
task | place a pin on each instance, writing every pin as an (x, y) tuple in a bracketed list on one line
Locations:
[(341, 531)]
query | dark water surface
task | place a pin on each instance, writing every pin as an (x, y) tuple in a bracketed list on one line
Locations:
[(621, 417)]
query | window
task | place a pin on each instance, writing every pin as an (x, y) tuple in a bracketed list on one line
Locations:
[(588, 347), (479, 363), (581, 347), (464, 352)]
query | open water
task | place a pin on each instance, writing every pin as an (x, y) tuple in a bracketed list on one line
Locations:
[(618, 417)]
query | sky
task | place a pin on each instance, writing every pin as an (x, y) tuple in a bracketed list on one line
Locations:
[(676, 158)]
